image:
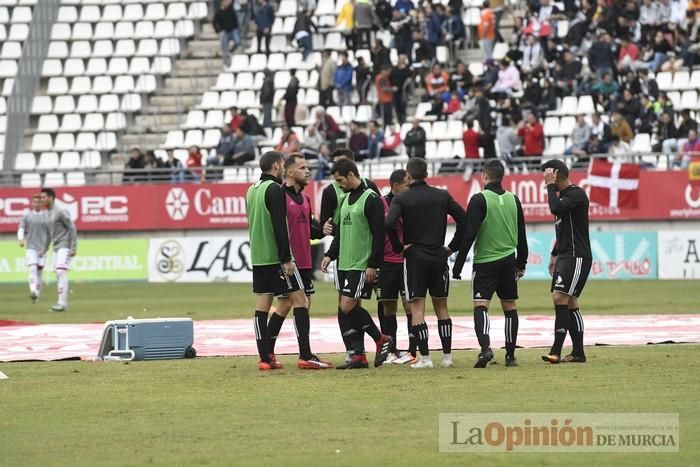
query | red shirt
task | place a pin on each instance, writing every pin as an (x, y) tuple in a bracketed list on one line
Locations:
[(385, 95), (471, 144), (533, 139), (454, 105), (236, 122)]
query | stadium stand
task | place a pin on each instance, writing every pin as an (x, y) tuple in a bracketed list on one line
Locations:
[(149, 74)]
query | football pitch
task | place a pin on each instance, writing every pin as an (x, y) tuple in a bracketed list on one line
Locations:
[(222, 411)]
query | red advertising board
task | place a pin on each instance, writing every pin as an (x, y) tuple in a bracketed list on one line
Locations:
[(663, 196)]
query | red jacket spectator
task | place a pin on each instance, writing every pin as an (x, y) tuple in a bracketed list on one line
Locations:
[(289, 142), (532, 135), (471, 142), (194, 162), (236, 119), (453, 105)]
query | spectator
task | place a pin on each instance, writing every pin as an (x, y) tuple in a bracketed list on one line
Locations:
[(415, 140), (548, 98), (243, 9), (661, 48), (342, 80), (177, 170), (647, 118), (236, 118), (290, 99), (666, 134), (497, 6), (601, 59), (392, 142), (487, 30), (404, 6), (383, 10), (267, 97), (619, 149), (453, 107), (365, 20), (399, 76), (621, 128), (289, 142), (326, 126), (663, 105), (567, 74), (604, 91), (194, 164), (264, 19), (435, 16), (628, 54), (302, 32), (594, 146), (153, 167), (346, 25), (687, 124), (455, 32), (690, 150), (508, 140), (358, 139), (362, 75), (252, 127), (462, 78), (649, 17), (313, 140), (580, 135), (326, 79), (402, 31), (648, 85), (385, 95), (226, 25), (508, 79), (375, 141), (380, 56), (243, 149), (630, 107), (224, 148), (323, 169), (470, 138), (531, 133), (133, 170), (533, 57), (600, 129), (436, 82)]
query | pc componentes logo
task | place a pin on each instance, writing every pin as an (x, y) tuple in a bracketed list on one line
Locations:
[(177, 203)]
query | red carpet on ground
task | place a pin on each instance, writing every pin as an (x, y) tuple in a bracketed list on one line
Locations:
[(236, 337)]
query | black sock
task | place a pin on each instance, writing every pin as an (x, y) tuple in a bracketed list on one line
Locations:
[(361, 320), (445, 331), (482, 326), (355, 337), (273, 329), (576, 331), (390, 328), (421, 333), (345, 326), (561, 325), (411, 337), (261, 337), (511, 331), (381, 317), (302, 324)]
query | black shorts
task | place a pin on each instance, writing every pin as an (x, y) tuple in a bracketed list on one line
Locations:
[(570, 275), (499, 277), (352, 284), (390, 282), (307, 281), (271, 280), (425, 276)]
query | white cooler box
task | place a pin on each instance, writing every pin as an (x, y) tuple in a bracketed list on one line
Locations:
[(147, 339)]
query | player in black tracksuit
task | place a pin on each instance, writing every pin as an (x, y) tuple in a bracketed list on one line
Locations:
[(571, 259)]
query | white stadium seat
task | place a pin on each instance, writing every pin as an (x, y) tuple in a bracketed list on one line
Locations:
[(48, 161), (75, 179), (25, 161), (30, 180), (69, 160), (71, 123), (93, 122), (54, 180), (74, 67)]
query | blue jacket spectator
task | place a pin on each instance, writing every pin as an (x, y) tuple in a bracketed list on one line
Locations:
[(435, 28), (404, 5), (265, 16), (343, 77)]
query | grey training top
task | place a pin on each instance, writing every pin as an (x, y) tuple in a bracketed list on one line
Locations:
[(34, 228), (62, 229)]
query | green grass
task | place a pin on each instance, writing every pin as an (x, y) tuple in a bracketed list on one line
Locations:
[(102, 302), (224, 412)]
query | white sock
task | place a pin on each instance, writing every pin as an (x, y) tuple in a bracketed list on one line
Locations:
[(62, 283), (33, 278), (447, 357), (425, 358)]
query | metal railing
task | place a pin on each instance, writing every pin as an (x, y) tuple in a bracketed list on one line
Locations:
[(375, 168)]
